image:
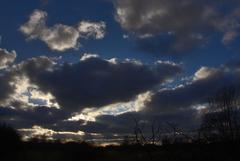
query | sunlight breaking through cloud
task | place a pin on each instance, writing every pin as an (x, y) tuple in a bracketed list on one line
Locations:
[(29, 95), (38, 132), (90, 114)]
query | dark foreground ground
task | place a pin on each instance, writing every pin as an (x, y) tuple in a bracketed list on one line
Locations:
[(85, 152)]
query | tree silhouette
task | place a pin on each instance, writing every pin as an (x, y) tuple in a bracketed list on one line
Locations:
[(138, 132), (222, 119), (8, 135), (10, 142)]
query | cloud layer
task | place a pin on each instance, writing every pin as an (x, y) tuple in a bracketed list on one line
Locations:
[(32, 88), (182, 25), (96, 91), (99, 98), (60, 37), (92, 82), (205, 84), (95, 82)]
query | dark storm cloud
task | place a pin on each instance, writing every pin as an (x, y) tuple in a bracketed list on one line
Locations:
[(6, 89), (94, 82), (34, 67), (168, 44), (205, 84), (187, 23), (42, 116)]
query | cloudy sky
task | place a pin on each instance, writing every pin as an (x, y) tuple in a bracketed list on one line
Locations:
[(85, 69)]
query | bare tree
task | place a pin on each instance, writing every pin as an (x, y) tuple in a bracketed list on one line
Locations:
[(174, 128), (140, 138), (222, 119), (156, 134), (138, 132)]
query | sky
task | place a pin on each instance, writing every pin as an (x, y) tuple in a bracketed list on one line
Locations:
[(84, 69)]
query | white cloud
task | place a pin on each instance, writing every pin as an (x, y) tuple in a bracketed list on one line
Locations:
[(125, 36), (38, 132), (203, 73), (6, 58), (90, 114), (35, 25), (91, 29), (229, 37), (87, 56), (60, 37), (29, 95)]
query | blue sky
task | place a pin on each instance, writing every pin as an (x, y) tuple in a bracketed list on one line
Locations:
[(113, 45), (56, 56), (60, 12)]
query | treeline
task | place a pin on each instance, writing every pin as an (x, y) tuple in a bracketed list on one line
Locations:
[(220, 123)]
